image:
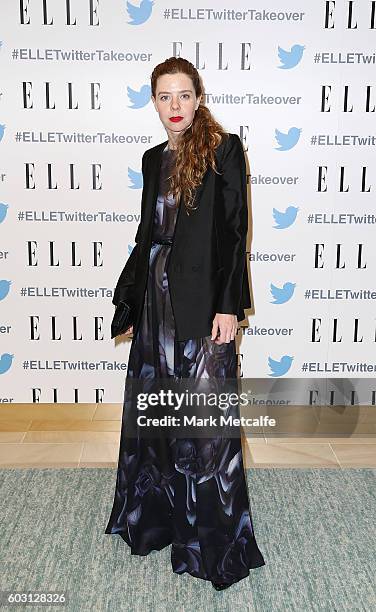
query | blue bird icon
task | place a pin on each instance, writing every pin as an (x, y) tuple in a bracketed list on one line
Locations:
[(279, 368), (285, 219), (139, 14), (135, 178), (282, 295), (289, 140), (2, 128), (291, 58), (4, 288), (5, 362), (3, 211), (139, 99)]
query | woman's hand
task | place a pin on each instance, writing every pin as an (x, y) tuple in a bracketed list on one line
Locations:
[(225, 325)]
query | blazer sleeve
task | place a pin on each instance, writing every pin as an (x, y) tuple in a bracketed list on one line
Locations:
[(128, 274), (234, 221)]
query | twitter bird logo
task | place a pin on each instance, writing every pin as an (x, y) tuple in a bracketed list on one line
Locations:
[(4, 288), (285, 219), (279, 368), (3, 211), (139, 99), (282, 295), (135, 178), (2, 128), (139, 14), (289, 140), (291, 58), (5, 362)]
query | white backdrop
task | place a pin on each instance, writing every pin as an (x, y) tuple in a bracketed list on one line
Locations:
[(296, 82)]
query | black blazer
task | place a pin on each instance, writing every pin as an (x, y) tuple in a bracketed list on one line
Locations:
[(207, 269)]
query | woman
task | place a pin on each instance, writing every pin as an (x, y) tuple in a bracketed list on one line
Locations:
[(187, 281)]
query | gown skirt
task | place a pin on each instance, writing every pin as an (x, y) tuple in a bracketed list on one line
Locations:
[(190, 493)]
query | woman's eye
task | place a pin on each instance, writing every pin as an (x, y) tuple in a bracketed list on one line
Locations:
[(165, 97)]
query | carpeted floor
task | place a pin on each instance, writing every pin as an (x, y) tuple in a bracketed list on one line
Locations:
[(315, 527)]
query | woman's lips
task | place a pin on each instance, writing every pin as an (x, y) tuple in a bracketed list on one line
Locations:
[(176, 119)]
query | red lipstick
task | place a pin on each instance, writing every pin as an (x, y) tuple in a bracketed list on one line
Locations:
[(176, 119)]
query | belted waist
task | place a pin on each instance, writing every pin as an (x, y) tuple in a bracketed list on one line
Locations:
[(162, 241)]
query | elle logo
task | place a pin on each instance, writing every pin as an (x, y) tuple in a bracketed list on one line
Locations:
[(30, 11), (355, 11)]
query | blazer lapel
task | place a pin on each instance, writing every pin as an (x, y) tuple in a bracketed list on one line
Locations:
[(151, 185), (154, 165)]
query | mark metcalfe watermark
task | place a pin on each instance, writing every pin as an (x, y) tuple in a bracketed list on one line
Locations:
[(203, 410)]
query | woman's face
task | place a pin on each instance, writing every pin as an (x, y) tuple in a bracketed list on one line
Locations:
[(175, 98)]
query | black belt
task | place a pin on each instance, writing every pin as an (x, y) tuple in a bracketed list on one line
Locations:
[(162, 241)]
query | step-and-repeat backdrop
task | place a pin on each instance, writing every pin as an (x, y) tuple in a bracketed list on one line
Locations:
[(295, 81)]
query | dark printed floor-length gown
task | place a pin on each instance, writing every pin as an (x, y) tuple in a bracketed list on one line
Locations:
[(190, 493)]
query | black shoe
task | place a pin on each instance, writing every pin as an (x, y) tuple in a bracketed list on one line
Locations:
[(219, 586)]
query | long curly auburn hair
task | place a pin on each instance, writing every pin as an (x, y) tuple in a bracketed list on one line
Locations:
[(195, 152)]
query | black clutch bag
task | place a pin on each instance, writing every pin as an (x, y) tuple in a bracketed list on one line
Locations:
[(123, 318)]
